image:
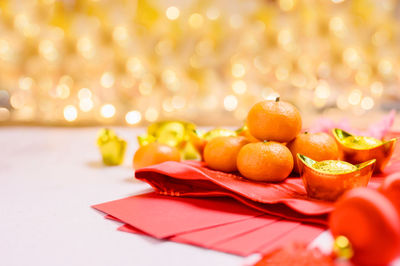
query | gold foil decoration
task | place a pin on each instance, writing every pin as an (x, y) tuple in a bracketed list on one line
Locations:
[(112, 147)]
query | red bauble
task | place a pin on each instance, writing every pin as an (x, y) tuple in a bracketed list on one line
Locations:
[(371, 223), (391, 189)]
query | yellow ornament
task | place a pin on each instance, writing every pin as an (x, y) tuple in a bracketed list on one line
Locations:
[(112, 148), (342, 247), (219, 132), (174, 134)]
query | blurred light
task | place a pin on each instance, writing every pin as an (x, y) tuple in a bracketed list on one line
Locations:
[(385, 67), (196, 20), (213, 13), (376, 89), (67, 80), (21, 21), (178, 102), (151, 114), (120, 33), (86, 104), (48, 50), (70, 113), (17, 100), (319, 102), (167, 105), (25, 83), (238, 70), (322, 91), (62, 91), (355, 97), (169, 76), (351, 57), (134, 65), (133, 117), (230, 102), (337, 1), (286, 5), (239, 86), (268, 94), (367, 103), (4, 114), (107, 110), (84, 93), (362, 78), (85, 47), (107, 80), (285, 37), (337, 26), (26, 27), (380, 38), (172, 13)]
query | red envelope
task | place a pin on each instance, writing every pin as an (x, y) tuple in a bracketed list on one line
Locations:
[(250, 242), (256, 240), (304, 233), (210, 237), (286, 199), (163, 216), (241, 237)]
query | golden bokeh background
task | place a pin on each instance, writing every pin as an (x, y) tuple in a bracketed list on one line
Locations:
[(89, 62)]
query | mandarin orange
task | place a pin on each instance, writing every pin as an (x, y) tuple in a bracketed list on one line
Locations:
[(317, 146), (220, 153), (274, 120), (154, 153), (265, 161)]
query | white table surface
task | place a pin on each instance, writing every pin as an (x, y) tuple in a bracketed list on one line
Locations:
[(49, 178)]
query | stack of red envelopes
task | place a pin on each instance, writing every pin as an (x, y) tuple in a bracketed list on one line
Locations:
[(195, 205)]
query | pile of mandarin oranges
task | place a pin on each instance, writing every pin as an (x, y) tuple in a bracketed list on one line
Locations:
[(264, 151)]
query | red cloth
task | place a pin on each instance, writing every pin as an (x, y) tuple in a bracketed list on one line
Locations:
[(286, 199)]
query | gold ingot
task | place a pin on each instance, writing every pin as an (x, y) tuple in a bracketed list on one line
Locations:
[(329, 179), (357, 149), (112, 148)]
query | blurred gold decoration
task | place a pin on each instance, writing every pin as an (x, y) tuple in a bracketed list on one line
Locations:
[(132, 62), (112, 148), (342, 248), (173, 133)]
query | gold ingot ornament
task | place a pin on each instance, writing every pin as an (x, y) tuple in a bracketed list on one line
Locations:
[(358, 149), (112, 148), (327, 180)]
